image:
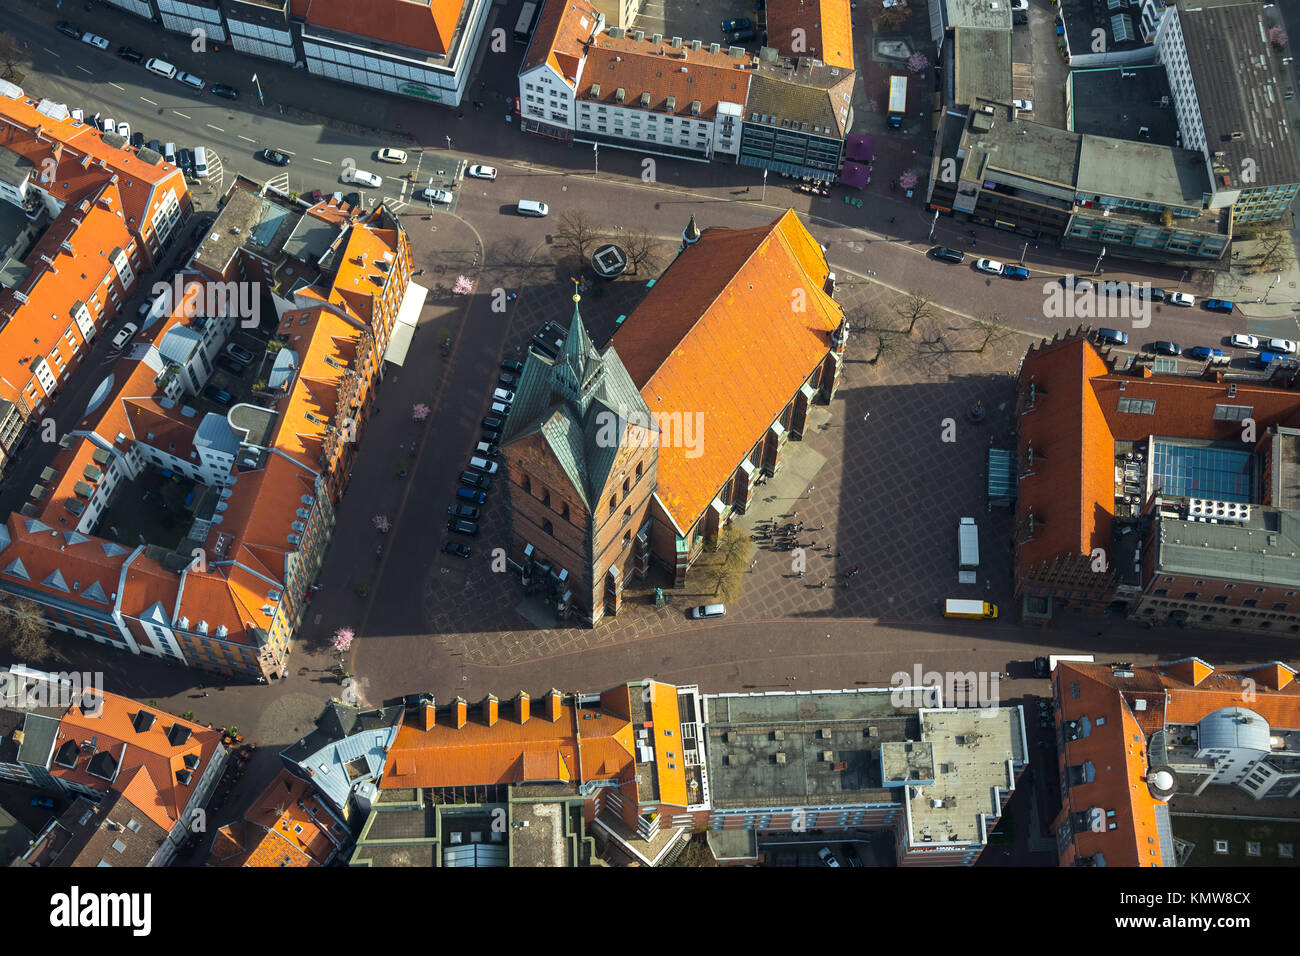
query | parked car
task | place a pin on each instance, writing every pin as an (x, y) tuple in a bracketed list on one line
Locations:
[(510, 365), (955, 256), (275, 157), (1181, 299), (68, 29), (1021, 6), (155, 146), (315, 196), (131, 56), (124, 335), (1015, 272), (436, 195), (185, 160), (708, 610), (1214, 356), (107, 125), (991, 266), (230, 365), (739, 23), (1167, 348), (463, 511), (364, 178), (475, 480), (469, 494), (1026, 106), (491, 435), (1265, 359), (1285, 346), (95, 40), (389, 155), (1241, 341), (124, 130), (239, 353), (740, 36), (827, 857), (1155, 295), (1111, 337), (1114, 288), (224, 90), (1218, 305), (190, 80), (218, 395), (482, 172), (1019, 18), (495, 424), (508, 380), (456, 548), (485, 465), (460, 526), (1042, 667), (45, 803), (137, 140), (852, 854)]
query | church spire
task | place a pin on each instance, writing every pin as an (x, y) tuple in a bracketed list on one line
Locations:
[(691, 234)]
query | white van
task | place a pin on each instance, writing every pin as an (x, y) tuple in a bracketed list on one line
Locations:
[(528, 207), (161, 67), (200, 162), (499, 409), (169, 152), (482, 464), (503, 395)]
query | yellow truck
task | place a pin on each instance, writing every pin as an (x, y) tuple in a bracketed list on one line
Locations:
[(975, 610)]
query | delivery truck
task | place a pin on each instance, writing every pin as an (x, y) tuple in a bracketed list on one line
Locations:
[(968, 551), (897, 100), (1082, 658), (975, 610)]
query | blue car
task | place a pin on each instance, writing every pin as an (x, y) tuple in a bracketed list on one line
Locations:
[(740, 36), (1218, 305), (740, 23), (469, 494), (1015, 272), (44, 802), (1265, 359), (1208, 354)]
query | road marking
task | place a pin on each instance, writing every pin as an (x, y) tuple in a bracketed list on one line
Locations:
[(245, 138), (122, 88), (288, 152), (83, 69), (180, 114), (149, 101), (325, 161), (49, 51), (217, 128)]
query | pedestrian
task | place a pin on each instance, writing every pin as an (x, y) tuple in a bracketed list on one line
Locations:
[(801, 575), (837, 554), (746, 190)]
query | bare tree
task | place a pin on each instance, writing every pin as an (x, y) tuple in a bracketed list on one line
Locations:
[(887, 345), (24, 629), (724, 574), (642, 251), (579, 231), (11, 54), (887, 17), (914, 308), (991, 330), (1272, 252)]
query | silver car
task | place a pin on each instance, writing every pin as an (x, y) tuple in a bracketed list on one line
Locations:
[(709, 610)]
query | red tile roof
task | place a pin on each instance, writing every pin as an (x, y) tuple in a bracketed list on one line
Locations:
[(729, 333), (428, 25), (287, 825), (827, 29), (559, 37), (662, 71)]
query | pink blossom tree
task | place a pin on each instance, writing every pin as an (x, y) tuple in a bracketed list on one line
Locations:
[(419, 412), (917, 62), (463, 286), (380, 522), (908, 180), (343, 639), (1277, 36)]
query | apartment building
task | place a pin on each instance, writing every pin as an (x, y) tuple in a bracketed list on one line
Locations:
[(287, 825)]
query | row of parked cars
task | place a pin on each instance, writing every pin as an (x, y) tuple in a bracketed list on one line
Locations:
[(1270, 350), (192, 162), (463, 513), (153, 64)]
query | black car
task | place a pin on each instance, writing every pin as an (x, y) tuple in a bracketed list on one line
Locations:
[(1042, 667), (852, 854), (1113, 288), (510, 365), (1155, 295), (1019, 18), (460, 526), (155, 146), (491, 435), (463, 511), (68, 29), (185, 160), (275, 157), (475, 480), (507, 380), (230, 365), (1167, 348), (456, 548), (495, 424), (224, 90), (137, 140), (737, 37), (955, 256), (352, 199), (131, 56)]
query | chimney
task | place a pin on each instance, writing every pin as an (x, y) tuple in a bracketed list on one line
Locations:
[(427, 719), (462, 709), (521, 706), (490, 709), (553, 701)]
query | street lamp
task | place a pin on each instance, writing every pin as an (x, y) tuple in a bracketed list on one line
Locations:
[(260, 101), (1271, 287), (764, 186), (1096, 269), (448, 144), (595, 148), (933, 222)]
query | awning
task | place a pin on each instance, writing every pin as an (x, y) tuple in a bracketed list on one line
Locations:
[(859, 147), (855, 175), (408, 317)]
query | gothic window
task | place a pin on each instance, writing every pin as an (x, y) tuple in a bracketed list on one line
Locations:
[(546, 498), (528, 485), (546, 527)]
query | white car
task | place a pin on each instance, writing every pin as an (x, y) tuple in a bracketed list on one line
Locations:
[(391, 156), (436, 195), (364, 178), (190, 80), (827, 857), (98, 42), (1240, 341), (124, 335), (991, 266), (482, 172), (124, 129), (1026, 106), (1286, 346), (1181, 298), (79, 115), (108, 125), (708, 610)]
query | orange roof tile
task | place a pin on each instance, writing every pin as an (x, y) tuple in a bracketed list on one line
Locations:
[(826, 25), (558, 39), (670, 767), (428, 25), (689, 347), (278, 831), (657, 69)]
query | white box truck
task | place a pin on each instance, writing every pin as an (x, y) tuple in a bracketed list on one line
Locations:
[(968, 551), (1082, 658)]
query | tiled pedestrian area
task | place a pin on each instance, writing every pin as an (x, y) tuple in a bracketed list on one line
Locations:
[(875, 476)]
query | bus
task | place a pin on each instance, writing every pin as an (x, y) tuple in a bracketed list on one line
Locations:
[(524, 28), (897, 100)]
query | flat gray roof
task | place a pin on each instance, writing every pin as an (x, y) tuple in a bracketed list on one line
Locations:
[(1031, 150), (247, 219), (1286, 468), (1262, 551), (981, 65), (994, 15), (1120, 101), (1238, 91), (1141, 172)]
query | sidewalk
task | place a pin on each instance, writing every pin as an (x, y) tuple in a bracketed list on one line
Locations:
[(1262, 296)]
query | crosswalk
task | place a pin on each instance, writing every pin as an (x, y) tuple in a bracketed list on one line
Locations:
[(279, 181)]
